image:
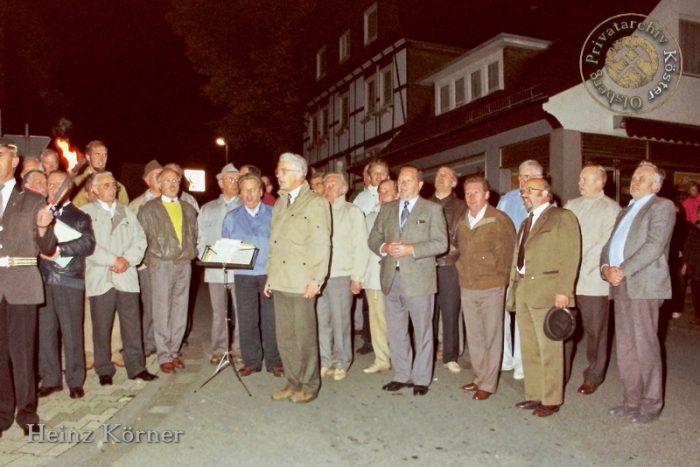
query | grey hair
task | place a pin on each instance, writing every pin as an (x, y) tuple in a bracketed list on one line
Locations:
[(341, 176), (97, 176), (659, 174), (296, 160), (532, 163)]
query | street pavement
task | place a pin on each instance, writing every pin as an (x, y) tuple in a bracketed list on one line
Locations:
[(354, 422)]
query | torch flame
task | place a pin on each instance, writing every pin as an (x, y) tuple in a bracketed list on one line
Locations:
[(69, 154)]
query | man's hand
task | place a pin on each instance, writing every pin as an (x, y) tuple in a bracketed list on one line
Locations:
[(44, 218), (355, 287), (398, 249), (614, 275), (561, 301), (120, 265), (267, 291), (311, 291)]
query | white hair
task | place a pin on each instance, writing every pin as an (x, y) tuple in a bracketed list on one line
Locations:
[(296, 160), (532, 164)]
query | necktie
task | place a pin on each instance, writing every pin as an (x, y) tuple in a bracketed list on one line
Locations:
[(2, 201), (404, 215), (289, 199), (523, 239)]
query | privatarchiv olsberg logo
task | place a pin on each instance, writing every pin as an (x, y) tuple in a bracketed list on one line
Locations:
[(630, 64)]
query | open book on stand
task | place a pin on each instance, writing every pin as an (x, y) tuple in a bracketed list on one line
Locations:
[(230, 254)]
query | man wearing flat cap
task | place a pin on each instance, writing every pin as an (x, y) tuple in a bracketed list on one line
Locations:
[(25, 231), (150, 175), (211, 221)]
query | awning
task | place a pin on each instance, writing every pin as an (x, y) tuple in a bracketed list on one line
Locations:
[(661, 131)]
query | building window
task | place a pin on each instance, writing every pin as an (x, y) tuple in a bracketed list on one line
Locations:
[(344, 111), (370, 95), (689, 40), (476, 84), (321, 63), (444, 98), (460, 92), (371, 24), (494, 79), (344, 46), (323, 124), (387, 96)]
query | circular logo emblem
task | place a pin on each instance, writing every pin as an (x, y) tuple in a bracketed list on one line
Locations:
[(630, 64)]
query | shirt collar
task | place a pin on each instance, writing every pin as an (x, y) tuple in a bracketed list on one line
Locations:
[(168, 199), (112, 209), (253, 212)]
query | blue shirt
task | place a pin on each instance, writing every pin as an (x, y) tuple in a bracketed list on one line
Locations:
[(619, 238), (240, 225), (512, 204)]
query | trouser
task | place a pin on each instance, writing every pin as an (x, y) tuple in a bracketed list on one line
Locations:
[(170, 285), (447, 301), (334, 327), (256, 317), (594, 319), (149, 340), (219, 294), (377, 321)]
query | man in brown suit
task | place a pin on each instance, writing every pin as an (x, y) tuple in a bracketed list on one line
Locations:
[(543, 275), (300, 252), (24, 232)]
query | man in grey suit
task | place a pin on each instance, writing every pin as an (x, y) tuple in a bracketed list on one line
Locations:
[(408, 234), (635, 263)]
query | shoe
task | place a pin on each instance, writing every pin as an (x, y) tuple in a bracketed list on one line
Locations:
[(419, 390), (453, 367), (178, 363), (76, 393), (518, 375), (587, 388), (216, 358), (247, 370), (302, 397), (167, 367), (277, 371), (395, 386), (545, 410), (470, 387), (365, 349), (119, 361), (481, 395), (642, 418), (622, 411), (282, 394), (675, 315), (339, 374), (374, 368), (528, 405), (507, 367), (145, 375), (43, 392), (105, 380), (327, 371)]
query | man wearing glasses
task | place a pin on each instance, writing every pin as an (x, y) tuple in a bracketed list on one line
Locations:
[(543, 275)]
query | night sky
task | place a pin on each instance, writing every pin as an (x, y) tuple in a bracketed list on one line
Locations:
[(116, 70)]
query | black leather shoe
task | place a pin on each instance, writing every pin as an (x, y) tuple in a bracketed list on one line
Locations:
[(76, 393), (395, 386), (105, 380), (419, 390), (43, 392), (145, 375), (528, 405), (365, 349)]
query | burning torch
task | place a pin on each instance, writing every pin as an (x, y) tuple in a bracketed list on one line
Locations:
[(75, 163)]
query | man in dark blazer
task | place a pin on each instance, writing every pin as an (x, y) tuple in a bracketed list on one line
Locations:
[(543, 275), (408, 234), (25, 231), (635, 263)]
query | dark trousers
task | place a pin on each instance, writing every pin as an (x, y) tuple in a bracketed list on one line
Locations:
[(17, 378), (297, 340), (447, 302), (594, 312), (149, 340), (256, 317), (102, 308), (64, 313)]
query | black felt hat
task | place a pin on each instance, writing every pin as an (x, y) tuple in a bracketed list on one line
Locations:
[(559, 323)]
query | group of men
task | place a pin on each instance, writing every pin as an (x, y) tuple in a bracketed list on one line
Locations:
[(403, 253)]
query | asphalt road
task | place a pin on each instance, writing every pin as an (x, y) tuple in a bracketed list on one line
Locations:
[(354, 422)]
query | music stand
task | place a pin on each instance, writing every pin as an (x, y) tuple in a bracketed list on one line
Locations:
[(226, 359)]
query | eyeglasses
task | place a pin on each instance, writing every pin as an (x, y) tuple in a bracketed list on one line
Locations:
[(284, 171), (530, 189)]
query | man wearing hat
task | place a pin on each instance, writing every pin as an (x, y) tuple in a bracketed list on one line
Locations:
[(543, 275), (25, 231), (150, 177), (211, 221)]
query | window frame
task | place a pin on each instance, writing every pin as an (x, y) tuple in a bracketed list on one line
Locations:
[(371, 10)]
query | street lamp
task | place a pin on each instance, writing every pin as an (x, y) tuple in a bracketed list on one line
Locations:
[(222, 142)]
